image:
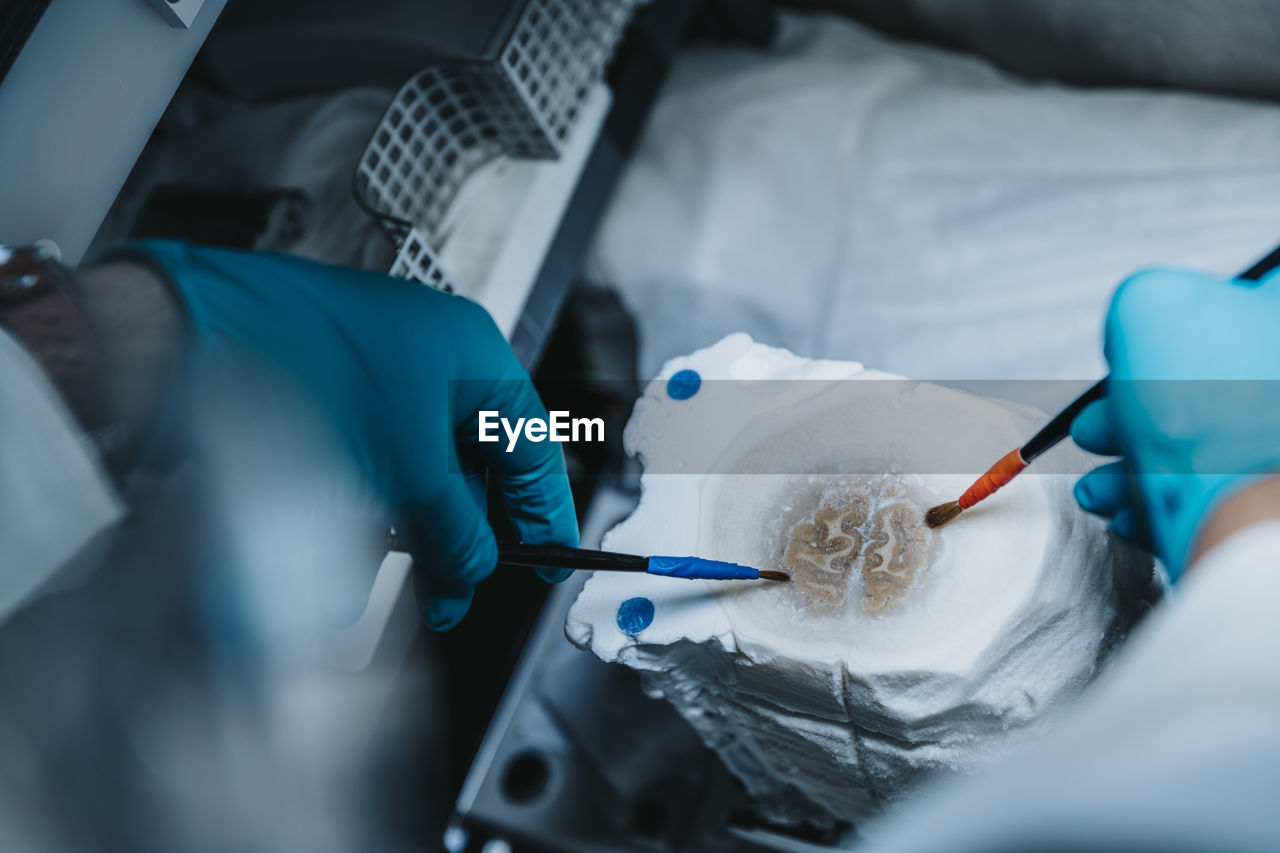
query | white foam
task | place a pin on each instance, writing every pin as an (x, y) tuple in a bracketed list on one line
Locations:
[(1010, 614)]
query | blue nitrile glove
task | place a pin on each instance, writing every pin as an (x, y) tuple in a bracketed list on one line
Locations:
[(378, 353), (1192, 404)]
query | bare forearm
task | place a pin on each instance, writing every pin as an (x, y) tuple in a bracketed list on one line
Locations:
[(108, 337), (140, 328), (1257, 502)]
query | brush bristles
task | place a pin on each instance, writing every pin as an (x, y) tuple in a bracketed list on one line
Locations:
[(774, 576), (943, 514)]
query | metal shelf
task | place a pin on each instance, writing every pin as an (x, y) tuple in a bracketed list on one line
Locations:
[(68, 139)]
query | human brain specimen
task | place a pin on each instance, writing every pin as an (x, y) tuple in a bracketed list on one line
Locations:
[(866, 540), (896, 652)]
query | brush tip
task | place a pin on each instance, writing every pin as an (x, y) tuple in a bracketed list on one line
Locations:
[(942, 514), (774, 576)]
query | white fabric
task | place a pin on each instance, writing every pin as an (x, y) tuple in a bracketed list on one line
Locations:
[(845, 196), (54, 497), (1175, 747)]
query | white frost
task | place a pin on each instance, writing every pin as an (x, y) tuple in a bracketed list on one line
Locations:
[(1011, 610)]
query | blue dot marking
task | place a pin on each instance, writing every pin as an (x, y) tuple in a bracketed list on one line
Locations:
[(684, 384), (634, 615)]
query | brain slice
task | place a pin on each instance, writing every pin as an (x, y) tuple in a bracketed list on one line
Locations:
[(897, 549), (892, 543), (820, 563)]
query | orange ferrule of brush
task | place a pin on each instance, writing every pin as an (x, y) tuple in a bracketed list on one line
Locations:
[(999, 474)]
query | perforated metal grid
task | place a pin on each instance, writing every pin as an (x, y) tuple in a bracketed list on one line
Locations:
[(450, 119), (416, 261), (557, 50), (441, 126)]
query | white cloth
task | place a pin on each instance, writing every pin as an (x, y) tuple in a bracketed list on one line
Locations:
[(54, 497), (846, 196), (1174, 748)]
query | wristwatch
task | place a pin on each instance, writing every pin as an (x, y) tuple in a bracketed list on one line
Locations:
[(41, 308)]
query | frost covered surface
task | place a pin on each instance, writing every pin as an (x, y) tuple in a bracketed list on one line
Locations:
[(896, 651)]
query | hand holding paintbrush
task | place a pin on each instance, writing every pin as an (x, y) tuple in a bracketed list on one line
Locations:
[(1055, 431)]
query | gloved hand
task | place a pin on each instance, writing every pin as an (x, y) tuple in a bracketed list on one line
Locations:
[(379, 355), (1192, 404)]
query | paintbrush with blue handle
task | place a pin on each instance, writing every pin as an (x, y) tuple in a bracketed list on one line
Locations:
[(520, 556), (560, 557)]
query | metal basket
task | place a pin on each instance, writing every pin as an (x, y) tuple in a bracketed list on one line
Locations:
[(453, 117)]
